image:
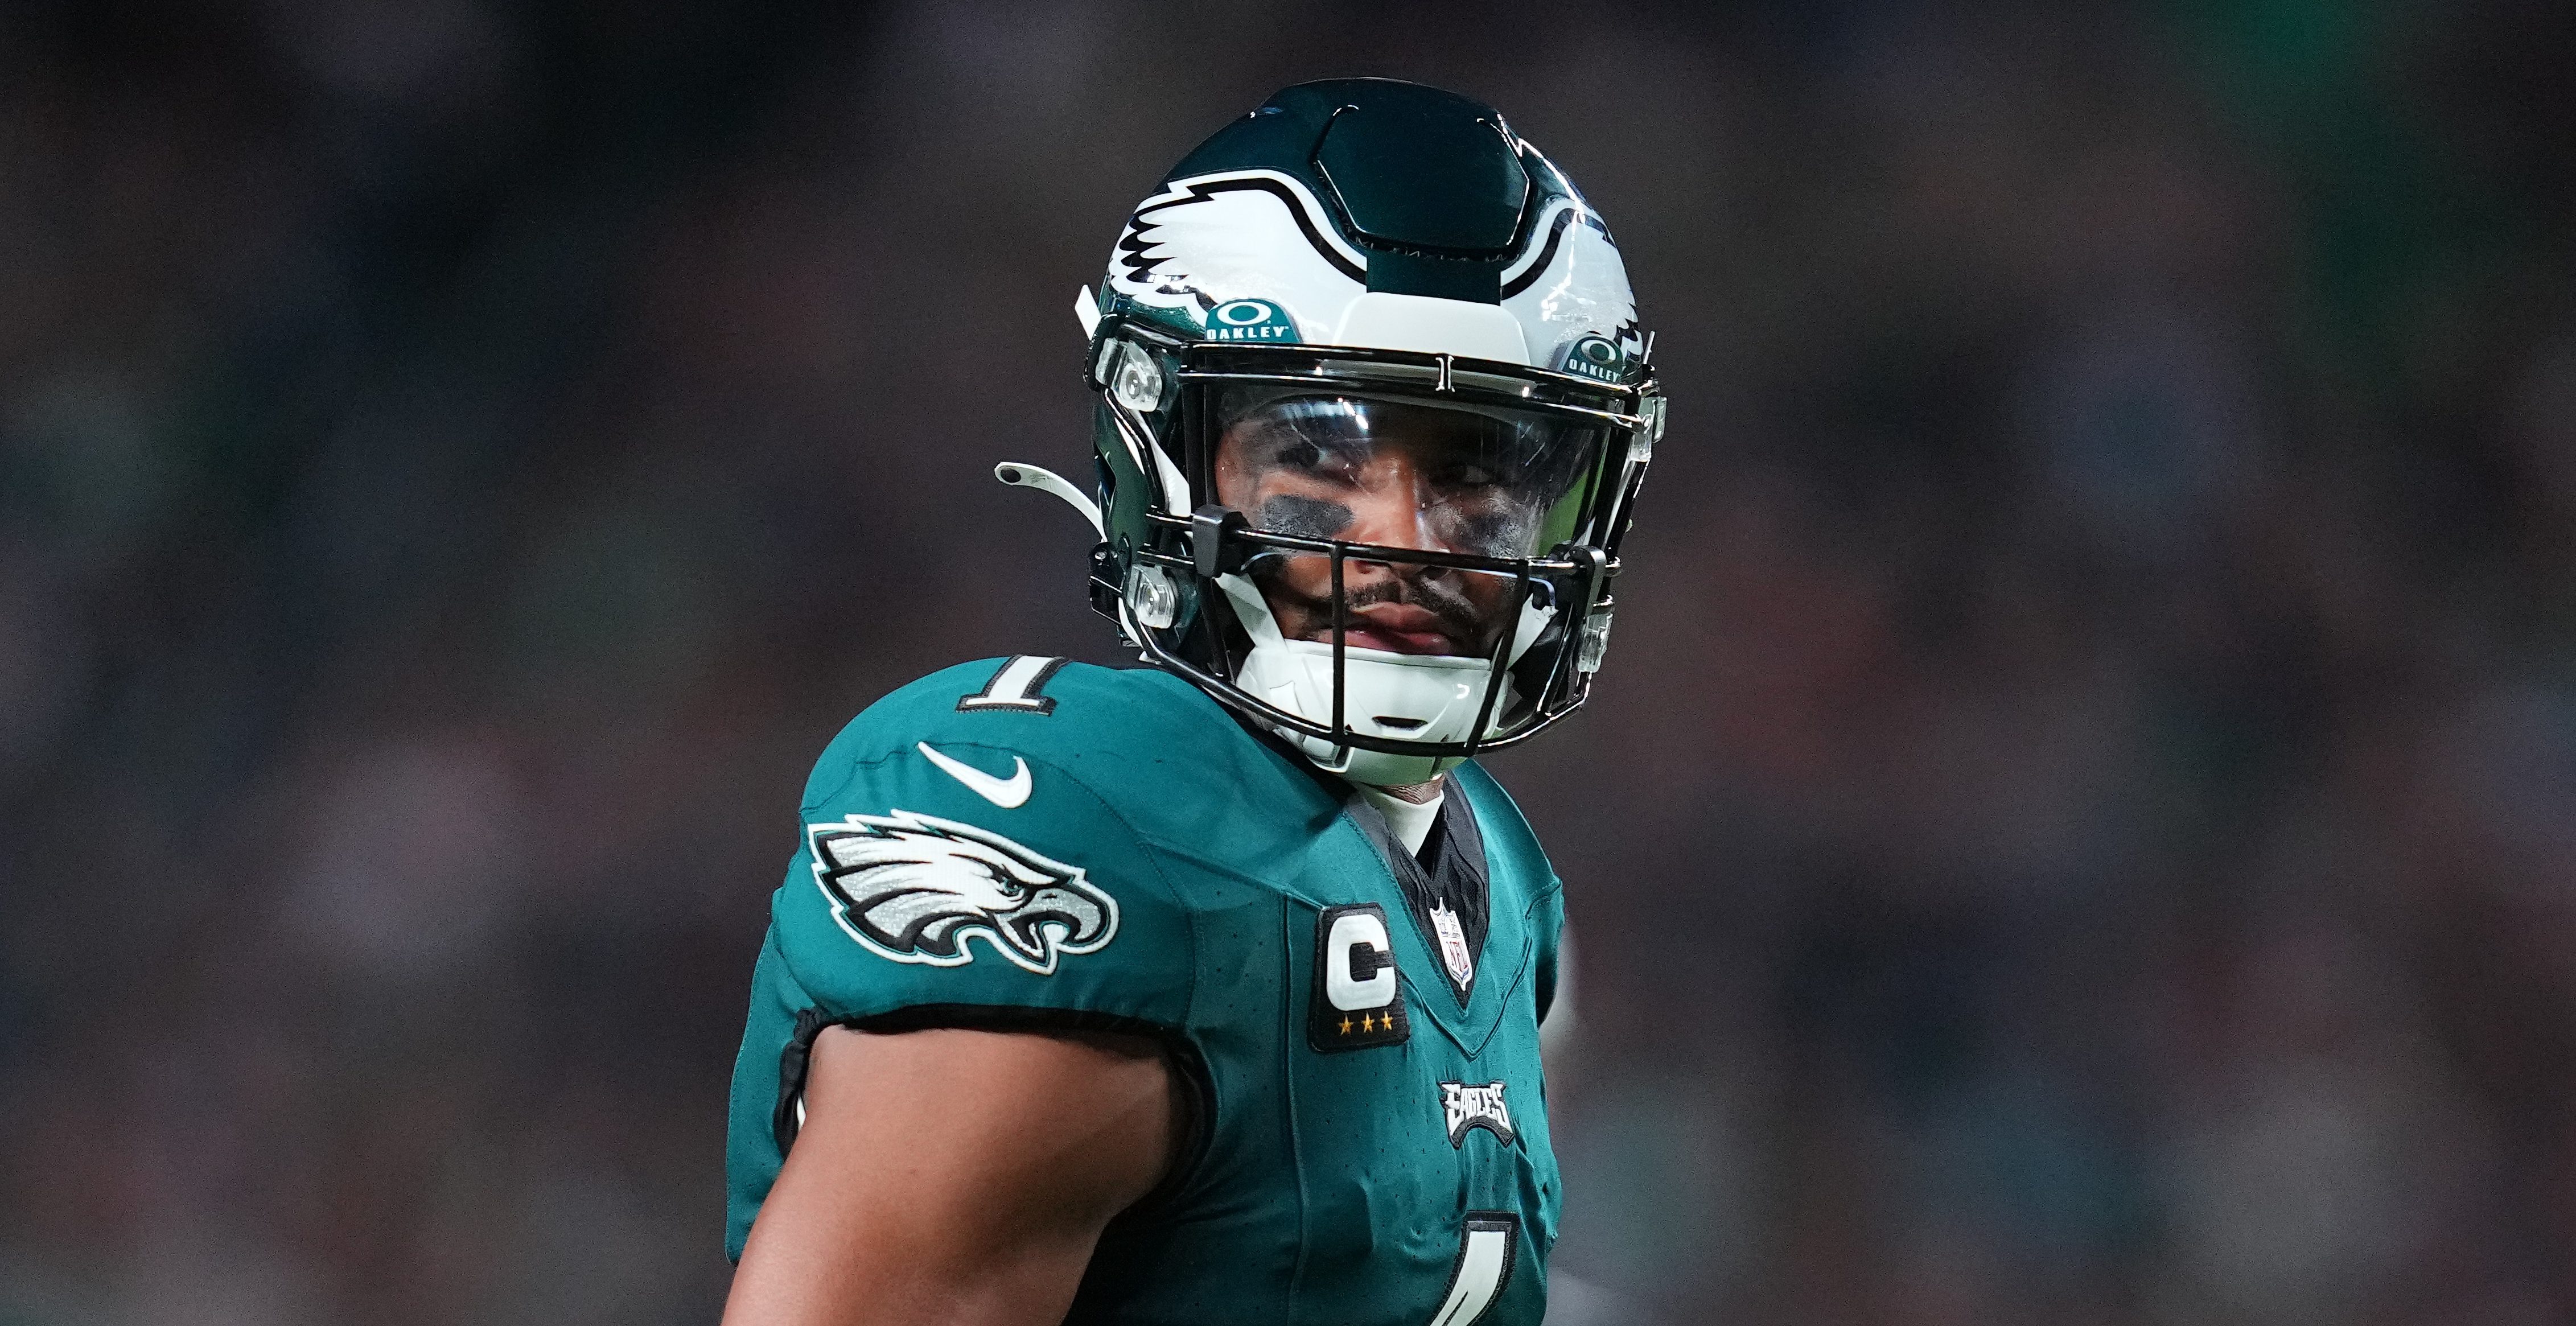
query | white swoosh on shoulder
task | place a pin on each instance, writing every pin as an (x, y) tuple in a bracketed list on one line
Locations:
[(1008, 793)]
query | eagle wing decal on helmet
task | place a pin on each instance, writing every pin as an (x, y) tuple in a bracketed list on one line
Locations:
[(1572, 282), (1248, 234), (915, 888)]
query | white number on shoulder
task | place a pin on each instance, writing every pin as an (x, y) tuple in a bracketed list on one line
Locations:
[(1016, 686)]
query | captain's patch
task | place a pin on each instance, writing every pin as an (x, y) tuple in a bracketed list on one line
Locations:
[(1469, 1107), (1357, 1000), (916, 888)]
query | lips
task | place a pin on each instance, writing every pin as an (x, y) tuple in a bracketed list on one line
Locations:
[(1397, 628)]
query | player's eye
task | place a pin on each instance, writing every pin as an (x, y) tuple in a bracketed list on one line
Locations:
[(1300, 455), (1320, 458)]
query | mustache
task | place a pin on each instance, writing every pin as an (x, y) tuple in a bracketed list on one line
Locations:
[(1412, 586)]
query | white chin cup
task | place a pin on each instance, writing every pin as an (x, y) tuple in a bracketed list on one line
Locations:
[(1406, 697)]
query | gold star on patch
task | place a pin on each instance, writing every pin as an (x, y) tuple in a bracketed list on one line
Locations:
[(1346, 1026)]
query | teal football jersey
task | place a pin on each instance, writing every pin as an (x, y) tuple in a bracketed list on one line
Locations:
[(1027, 843)]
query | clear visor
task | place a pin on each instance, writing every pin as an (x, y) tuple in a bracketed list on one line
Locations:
[(1482, 481), (1478, 480)]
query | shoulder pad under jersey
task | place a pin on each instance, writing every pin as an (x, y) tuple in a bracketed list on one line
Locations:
[(993, 837)]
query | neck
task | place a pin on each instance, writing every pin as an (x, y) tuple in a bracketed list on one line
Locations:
[(1417, 793)]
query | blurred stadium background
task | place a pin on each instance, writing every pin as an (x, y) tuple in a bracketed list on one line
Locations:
[(2080, 825)]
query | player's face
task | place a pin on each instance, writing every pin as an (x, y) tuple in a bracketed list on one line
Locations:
[(1398, 474)]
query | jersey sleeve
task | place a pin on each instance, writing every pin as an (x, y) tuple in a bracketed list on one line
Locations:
[(949, 870), (939, 880)]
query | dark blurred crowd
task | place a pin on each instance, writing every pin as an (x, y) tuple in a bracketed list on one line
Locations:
[(2079, 825)]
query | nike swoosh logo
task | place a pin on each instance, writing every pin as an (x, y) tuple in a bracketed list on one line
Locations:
[(1008, 793)]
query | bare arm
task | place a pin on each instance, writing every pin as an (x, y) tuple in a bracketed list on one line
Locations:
[(954, 1176)]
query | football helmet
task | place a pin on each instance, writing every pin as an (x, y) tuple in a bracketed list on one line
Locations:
[(1372, 411)]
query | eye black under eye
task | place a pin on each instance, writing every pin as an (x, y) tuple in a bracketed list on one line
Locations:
[(1494, 533), (1305, 517)]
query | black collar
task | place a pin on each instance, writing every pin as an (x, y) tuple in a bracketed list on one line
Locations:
[(1450, 873), (1449, 878)]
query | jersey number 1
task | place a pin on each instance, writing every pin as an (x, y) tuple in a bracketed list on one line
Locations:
[(1484, 1263), (1016, 687)]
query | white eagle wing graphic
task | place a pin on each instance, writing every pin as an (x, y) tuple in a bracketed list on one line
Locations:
[(1581, 290), (1239, 235), (916, 888)]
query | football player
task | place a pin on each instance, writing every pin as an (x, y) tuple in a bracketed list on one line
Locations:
[(1209, 991)]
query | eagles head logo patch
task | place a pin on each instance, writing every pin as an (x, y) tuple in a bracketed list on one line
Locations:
[(916, 888)]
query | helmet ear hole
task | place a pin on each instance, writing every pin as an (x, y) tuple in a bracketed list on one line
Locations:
[(1134, 379), (1158, 599)]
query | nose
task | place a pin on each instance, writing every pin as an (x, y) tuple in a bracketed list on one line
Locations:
[(1392, 508)]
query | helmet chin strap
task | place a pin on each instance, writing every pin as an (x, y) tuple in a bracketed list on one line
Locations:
[(1251, 609), (1433, 697)]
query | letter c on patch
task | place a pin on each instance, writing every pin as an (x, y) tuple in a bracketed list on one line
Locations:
[(1359, 963)]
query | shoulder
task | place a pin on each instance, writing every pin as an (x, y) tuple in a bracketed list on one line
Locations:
[(1079, 717), (1151, 750), (1507, 832), (1512, 852), (997, 835)]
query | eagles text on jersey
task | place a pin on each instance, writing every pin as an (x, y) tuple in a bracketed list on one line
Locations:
[(1018, 843)]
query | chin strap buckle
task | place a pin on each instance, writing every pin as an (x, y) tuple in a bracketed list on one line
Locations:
[(1216, 543)]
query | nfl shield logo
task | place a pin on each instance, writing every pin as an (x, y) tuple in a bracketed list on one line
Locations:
[(1453, 946)]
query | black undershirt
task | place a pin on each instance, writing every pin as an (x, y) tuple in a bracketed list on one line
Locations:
[(1450, 872)]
